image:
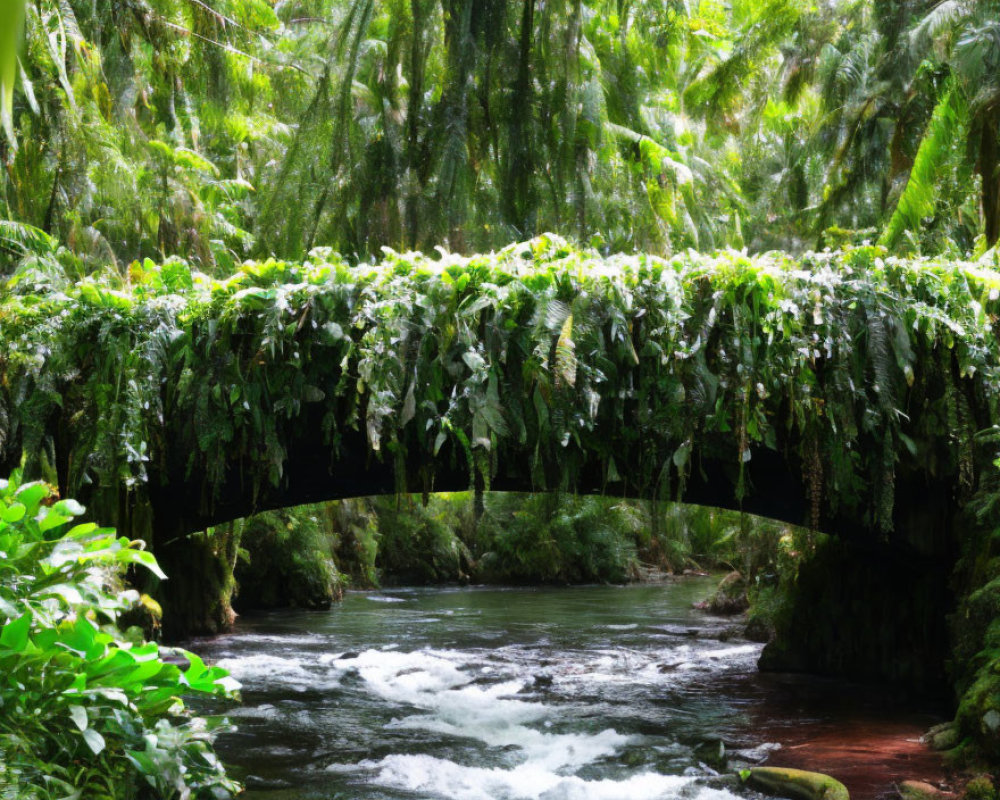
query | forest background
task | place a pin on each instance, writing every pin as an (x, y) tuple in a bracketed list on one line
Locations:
[(243, 128), (137, 132)]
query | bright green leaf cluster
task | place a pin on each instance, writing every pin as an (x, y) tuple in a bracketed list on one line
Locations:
[(85, 710)]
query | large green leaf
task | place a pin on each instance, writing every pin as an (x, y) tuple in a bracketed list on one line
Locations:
[(11, 22), (14, 635), (919, 198)]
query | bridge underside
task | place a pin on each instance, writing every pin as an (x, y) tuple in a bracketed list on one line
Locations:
[(869, 606)]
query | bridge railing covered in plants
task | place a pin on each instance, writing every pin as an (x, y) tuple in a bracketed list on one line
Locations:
[(541, 366)]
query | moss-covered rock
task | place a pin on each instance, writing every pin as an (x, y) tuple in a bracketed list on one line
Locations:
[(797, 783), (730, 597), (979, 708), (942, 737)]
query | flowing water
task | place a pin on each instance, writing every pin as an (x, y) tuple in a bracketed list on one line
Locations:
[(594, 693)]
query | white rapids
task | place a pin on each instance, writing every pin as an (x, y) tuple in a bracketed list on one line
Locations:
[(459, 718)]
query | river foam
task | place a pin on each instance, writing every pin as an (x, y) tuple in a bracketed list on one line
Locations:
[(427, 775), (505, 696), (449, 702)]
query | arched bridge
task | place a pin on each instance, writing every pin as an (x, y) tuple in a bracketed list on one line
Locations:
[(841, 391)]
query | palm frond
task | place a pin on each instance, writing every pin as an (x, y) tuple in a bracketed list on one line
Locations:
[(21, 238), (919, 197), (11, 22), (940, 22)]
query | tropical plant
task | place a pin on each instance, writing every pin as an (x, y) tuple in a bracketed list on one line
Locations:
[(285, 560), (960, 39), (89, 711), (131, 133), (553, 538)]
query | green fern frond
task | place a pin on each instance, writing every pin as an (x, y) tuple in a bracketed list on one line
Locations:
[(565, 363), (919, 198), (21, 238)]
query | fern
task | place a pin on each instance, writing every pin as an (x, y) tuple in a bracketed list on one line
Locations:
[(20, 238), (918, 199), (565, 361)]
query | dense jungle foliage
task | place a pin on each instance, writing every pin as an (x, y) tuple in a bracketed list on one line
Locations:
[(632, 373), (179, 176), (306, 556), (215, 131)]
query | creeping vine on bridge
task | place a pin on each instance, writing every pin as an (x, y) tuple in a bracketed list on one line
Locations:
[(541, 358)]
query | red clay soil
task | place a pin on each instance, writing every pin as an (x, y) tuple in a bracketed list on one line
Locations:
[(868, 756), (861, 735)]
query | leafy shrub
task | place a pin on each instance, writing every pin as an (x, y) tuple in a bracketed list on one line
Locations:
[(419, 543), (355, 536), (552, 538), (548, 538), (286, 560), (85, 710), (980, 788)]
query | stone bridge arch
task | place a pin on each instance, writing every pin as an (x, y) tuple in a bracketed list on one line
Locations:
[(840, 390)]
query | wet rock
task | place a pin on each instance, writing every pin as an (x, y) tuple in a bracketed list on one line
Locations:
[(543, 681), (730, 633), (797, 783), (758, 630), (731, 596), (712, 753), (942, 737), (728, 782), (349, 655), (919, 790)]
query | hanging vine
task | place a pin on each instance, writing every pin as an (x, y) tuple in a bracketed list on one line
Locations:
[(542, 358)]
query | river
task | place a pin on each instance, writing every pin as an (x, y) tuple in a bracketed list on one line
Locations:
[(592, 693)]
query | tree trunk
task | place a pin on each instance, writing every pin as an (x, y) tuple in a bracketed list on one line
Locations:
[(414, 108), (989, 169), (517, 196)]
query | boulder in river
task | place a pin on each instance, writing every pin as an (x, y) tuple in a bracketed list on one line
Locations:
[(797, 783), (730, 597)]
